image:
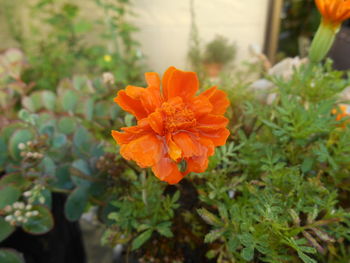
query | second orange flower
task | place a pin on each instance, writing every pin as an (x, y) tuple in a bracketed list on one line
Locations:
[(174, 125)]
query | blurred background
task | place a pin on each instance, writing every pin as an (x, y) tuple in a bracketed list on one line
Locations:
[(228, 42)]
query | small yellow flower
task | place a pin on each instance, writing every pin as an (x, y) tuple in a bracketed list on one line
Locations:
[(107, 58)]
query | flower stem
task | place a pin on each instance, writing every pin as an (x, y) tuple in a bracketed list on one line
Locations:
[(322, 41)]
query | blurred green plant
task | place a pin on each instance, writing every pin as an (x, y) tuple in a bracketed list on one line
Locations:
[(219, 51)]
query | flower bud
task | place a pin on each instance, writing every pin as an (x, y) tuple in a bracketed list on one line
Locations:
[(21, 146)]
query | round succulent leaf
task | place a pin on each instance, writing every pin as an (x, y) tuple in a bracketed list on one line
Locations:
[(10, 256), (9, 194), (49, 99), (67, 125), (82, 140), (114, 111), (17, 180), (40, 224), (76, 203), (63, 177), (69, 100), (5, 229), (3, 151), (19, 136), (9, 130), (47, 197), (59, 140), (101, 109)]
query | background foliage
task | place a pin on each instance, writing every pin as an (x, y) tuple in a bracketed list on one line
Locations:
[(278, 191)]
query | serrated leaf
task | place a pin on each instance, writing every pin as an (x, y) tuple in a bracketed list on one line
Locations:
[(164, 230), (141, 239), (214, 235), (306, 258), (208, 217), (247, 253)]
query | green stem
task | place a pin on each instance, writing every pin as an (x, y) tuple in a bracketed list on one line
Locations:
[(322, 42)]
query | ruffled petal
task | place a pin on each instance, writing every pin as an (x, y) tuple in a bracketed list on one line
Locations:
[(197, 164), (130, 105), (211, 122), (145, 150), (200, 105), (166, 79), (151, 99), (218, 137), (187, 144), (152, 79), (180, 83), (166, 170), (174, 150), (218, 99), (155, 120)]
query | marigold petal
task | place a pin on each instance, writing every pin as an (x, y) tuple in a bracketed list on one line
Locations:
[(134, 92), (181, 83), (155, 120), (218, 137), (218, 99), (151, 99), (200, 105), (166, 79), (152, 79), (174, 150), (166, 170), (130, 105), (187, 144), (197, 164), (145, 150), (211, 122)]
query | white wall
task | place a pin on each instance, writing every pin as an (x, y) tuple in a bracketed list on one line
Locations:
[(165, 27)]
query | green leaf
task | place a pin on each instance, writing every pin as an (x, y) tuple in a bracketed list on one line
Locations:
[(306, 258), (5, 229), (3, 151), (16, 180), (49, 166), (9, 194), (208, 217), (49, 99), (214, 235), (10, 256), (59, 140), (63, 177), (247, 253), (82, 140), (164, 229), (20, 136), (76, 203), (41, 223), (141, 239), (69, 101), (67, 125)]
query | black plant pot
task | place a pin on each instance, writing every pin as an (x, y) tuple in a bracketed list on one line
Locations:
[(63, 244)]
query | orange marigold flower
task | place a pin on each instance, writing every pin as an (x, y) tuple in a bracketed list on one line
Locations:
[(342, 112), (173, 125), (334, 12)]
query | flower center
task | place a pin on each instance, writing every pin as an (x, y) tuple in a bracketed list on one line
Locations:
[(177, 117)]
